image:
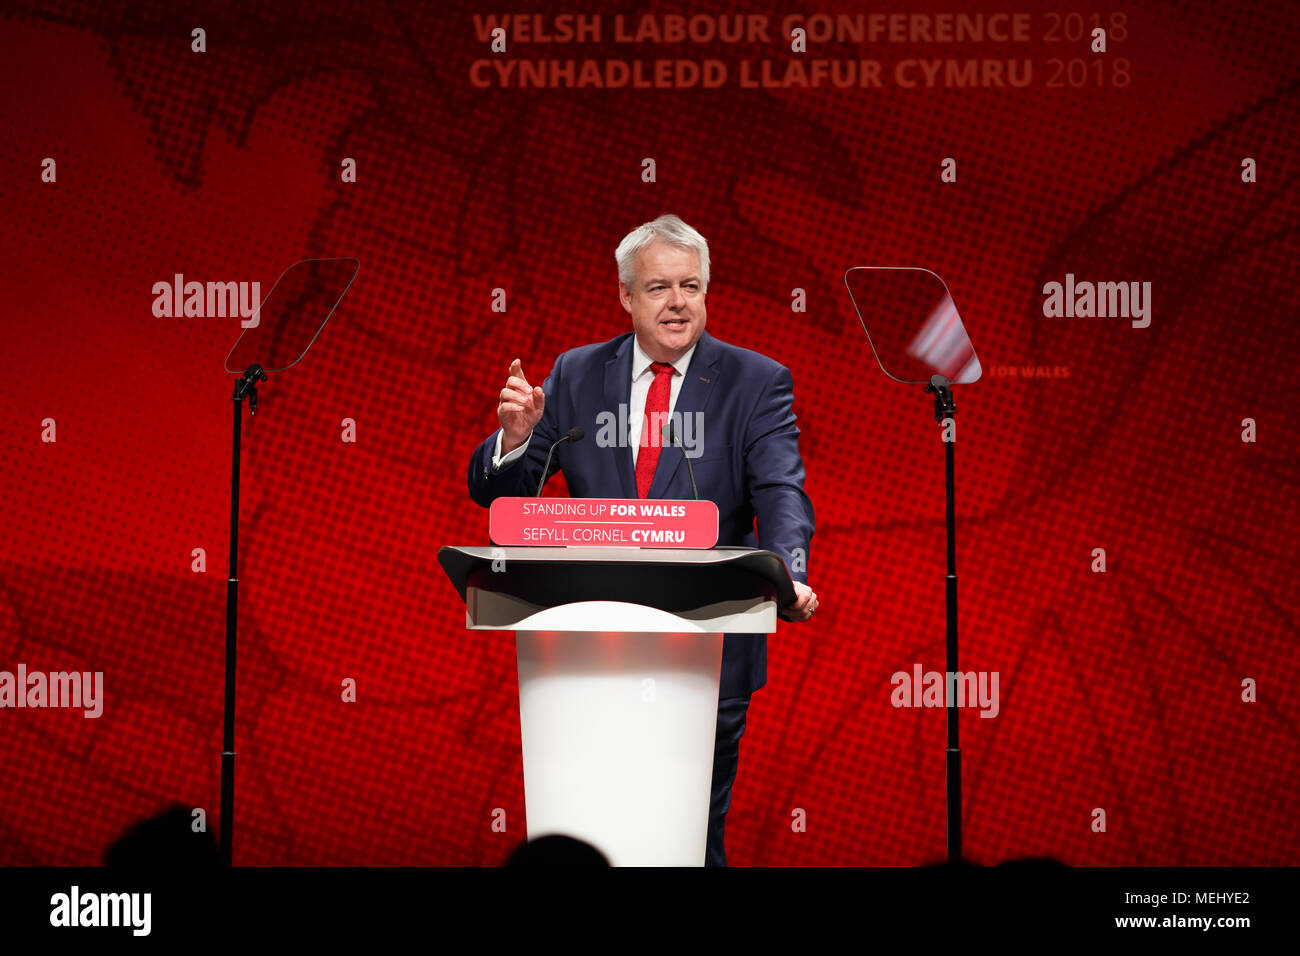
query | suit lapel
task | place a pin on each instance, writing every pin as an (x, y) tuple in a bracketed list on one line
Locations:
[(618, 389), (700, 379)]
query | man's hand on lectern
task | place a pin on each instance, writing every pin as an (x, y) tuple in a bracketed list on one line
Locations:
[(801, 609), (520, 408)]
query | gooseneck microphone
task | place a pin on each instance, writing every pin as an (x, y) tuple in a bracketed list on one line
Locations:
[(573, 434), (671, 434)]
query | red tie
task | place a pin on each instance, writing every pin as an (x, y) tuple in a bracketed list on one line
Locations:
[(656, 411)]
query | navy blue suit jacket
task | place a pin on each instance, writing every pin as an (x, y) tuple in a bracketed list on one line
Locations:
[(747, 462)]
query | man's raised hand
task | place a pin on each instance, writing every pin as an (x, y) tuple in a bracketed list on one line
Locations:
[(520, 408)]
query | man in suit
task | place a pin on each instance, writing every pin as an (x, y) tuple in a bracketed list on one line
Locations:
[(732, 412)]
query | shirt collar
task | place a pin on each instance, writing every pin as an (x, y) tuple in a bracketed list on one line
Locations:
[(641, 361)]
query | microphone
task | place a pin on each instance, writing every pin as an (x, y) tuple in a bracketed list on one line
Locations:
[(573, 434), (671, 434)]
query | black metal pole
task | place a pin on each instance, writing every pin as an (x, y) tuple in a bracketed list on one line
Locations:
[(232, 601), (245, 387), (945, 409), (953, 752)]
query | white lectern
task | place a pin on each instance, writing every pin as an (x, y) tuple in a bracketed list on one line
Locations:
[(619, 652)]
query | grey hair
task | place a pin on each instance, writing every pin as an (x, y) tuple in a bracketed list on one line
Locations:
[(667, 228)]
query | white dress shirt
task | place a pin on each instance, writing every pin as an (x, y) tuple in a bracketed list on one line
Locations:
[(642, 376)]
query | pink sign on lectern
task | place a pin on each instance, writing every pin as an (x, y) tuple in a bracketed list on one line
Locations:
[(604, 522)]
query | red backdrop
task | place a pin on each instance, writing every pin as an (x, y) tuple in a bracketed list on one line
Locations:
[(1119, 690)]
